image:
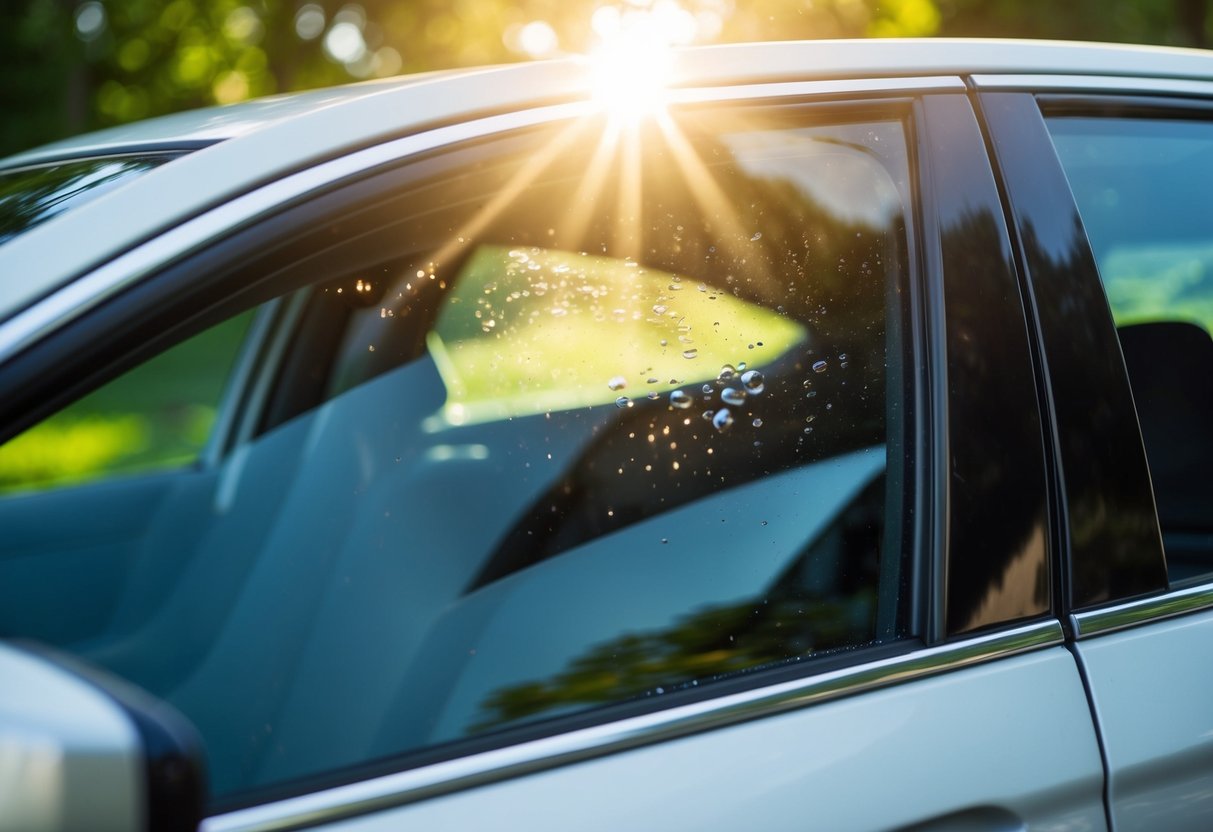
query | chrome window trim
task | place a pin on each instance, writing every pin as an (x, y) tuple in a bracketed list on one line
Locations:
[(1142, 610), (46, 316), (1093, 83), (537, 755)]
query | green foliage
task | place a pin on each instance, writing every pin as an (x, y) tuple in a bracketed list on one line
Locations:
[(156, 416)]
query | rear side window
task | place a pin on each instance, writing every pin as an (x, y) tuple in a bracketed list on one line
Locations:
[(608, 424), (1142, 187)]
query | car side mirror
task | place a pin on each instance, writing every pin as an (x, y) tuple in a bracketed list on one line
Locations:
[(81, 750)]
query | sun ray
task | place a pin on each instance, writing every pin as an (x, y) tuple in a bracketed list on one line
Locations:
[(585, 199), (712, 200), (629, 238), (535, 165)]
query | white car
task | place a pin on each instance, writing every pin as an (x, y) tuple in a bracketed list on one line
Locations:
[(786, 436)]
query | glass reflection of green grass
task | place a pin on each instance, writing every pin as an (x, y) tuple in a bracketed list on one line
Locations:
[(1161, 283), (530, 330)]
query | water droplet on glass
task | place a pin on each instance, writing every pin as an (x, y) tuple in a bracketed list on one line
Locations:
[(659, 309), (753, 381), (651, 380), (623, 401), (707, 416), (664, 342), (674, 287), (757, 423), (680, 399), (691, 353), (727, 372), (757, 236), (723, 419), (819, 366), (808, 430), (829, 407), (740, 366), (653, 395), (733, 396), (809, 418)]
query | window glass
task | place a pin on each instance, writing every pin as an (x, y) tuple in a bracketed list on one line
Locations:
[(1142, 188), (157, 416), (30, 196), (603, 423)]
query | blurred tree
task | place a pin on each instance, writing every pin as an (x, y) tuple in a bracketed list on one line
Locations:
[(1169, 22), (78, 64), (45, 90)]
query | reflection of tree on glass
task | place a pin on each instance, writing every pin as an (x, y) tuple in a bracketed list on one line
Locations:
[(826, 600)]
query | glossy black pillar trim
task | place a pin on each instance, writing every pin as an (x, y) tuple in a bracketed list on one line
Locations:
[(998, 567), (1112, 538), (930, 484)]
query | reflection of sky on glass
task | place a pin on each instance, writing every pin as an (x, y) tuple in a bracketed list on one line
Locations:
[(30, 197), (850, 181)]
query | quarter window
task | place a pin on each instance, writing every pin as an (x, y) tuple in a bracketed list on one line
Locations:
[(1142, 189)]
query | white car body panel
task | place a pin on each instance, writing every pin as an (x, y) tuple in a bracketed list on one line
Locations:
[(94, 780), (915, 753), (1152, 687)]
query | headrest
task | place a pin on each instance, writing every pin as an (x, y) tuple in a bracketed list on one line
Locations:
[(1170, 366)]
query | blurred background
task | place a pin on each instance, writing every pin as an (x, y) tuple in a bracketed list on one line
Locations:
[(71, 66)]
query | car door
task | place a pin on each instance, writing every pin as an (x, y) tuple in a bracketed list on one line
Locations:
[(1121, 277), (687, 471)]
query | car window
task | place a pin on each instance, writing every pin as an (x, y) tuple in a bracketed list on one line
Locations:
[(600, 426), (1141, 188), (30, 196), (157, 416)]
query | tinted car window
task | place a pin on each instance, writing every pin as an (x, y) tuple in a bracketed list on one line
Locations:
[(1142, 188), (33, 195), (606, 434)]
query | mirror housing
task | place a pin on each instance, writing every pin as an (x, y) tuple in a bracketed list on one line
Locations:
[(81, 750)]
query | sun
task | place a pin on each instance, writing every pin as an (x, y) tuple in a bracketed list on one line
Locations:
[(633, 62), (631, 78)]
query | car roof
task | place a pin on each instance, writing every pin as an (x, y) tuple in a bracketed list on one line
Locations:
[(192, 129), (251, 144), (713, 64)]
